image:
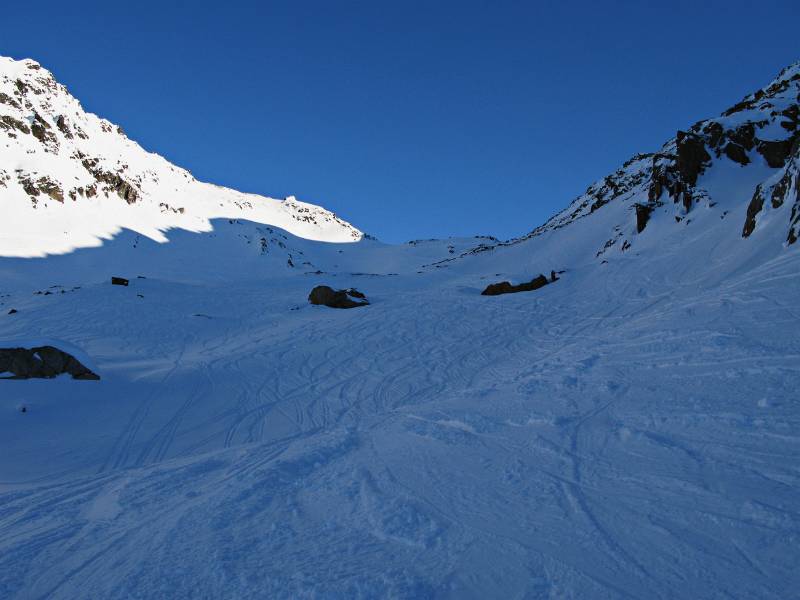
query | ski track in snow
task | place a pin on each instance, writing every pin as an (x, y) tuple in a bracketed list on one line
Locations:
[(639, 441)]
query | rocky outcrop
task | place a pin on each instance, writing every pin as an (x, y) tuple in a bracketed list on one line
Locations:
[(42, 185), (326, 296), (781, 189), (775, 153), (692, 157), (755, 206), (643, 212), (40, 129), (113, 181), (505, 287), (43, 362), (63, 127), (737, 153), (9, 123)]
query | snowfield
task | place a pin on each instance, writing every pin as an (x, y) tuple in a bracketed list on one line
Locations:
[(631, 430), (614, 434)]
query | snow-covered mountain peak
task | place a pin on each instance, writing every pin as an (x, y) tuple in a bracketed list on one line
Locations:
[(70, 179), (710, 179)]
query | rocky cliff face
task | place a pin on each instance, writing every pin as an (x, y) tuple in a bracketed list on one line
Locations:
[(69, 179), (780, 190)]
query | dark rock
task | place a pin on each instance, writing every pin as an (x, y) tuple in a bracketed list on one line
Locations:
[(9, 123), (736, 153), (715, 133), (119, 281), (13, 311), (6, 99), (39, 128), (643, 212), (779, 191), (61, 123), (744, 136), (327, 296), (692, 156), (42, 362), (504, 287), (775, 153), (553, 276), (114, 182), (755, 206), (51, 188)]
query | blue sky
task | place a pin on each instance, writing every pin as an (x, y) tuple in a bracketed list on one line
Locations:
[(410, 119)]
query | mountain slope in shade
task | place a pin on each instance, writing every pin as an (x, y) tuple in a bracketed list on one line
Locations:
[(69, 179), (717, 169)]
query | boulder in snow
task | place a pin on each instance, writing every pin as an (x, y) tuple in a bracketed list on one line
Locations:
[(42, 362), (327, 296), (504, 287)]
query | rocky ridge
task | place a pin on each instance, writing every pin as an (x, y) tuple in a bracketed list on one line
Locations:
[(760, 135), (69, 179)]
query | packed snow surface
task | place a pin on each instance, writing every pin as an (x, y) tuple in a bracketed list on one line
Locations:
[(623, 432)]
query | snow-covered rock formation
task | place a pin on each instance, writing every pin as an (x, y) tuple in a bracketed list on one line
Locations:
[(718, 167), (69, 179)]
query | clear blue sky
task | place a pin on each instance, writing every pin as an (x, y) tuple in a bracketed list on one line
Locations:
[(410, 119)]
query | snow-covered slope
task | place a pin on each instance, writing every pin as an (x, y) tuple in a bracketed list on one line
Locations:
[(708, 173), (630, 430), (69, 179)]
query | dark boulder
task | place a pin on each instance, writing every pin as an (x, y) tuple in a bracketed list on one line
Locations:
[(504, 287), (327, 296), (13, 311), (42, 362), (119, 281)]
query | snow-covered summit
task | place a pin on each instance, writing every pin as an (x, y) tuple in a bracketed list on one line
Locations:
[(70, 179)]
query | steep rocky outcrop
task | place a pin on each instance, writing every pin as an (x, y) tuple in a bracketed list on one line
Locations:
[(781, 192)]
